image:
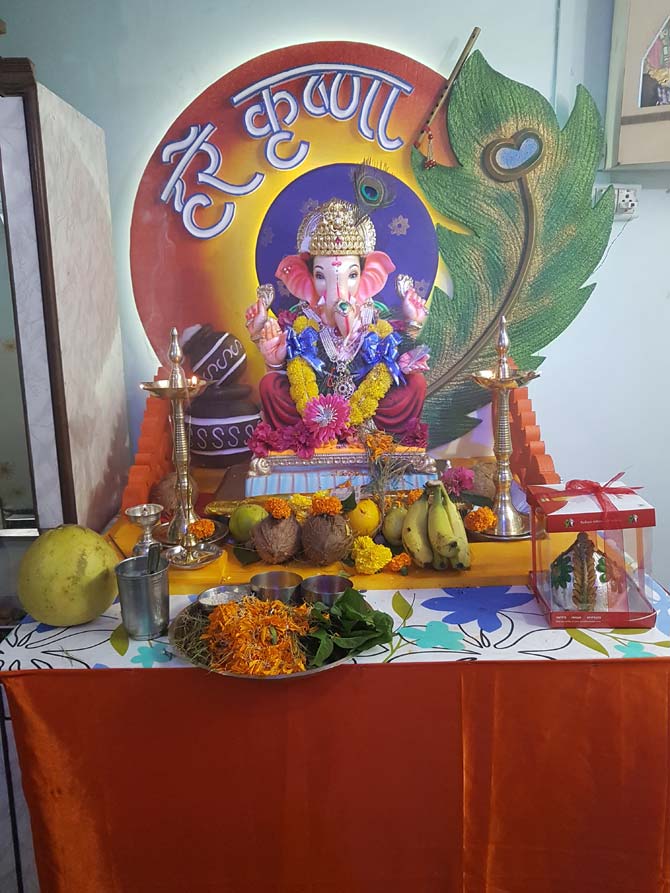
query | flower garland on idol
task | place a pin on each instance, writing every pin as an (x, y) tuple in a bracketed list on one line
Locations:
[(365, 399)]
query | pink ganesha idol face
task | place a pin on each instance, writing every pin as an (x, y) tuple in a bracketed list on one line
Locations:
[(335, 279), (326, 280)]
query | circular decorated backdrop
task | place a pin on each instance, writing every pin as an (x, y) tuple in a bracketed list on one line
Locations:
[(222, 194)]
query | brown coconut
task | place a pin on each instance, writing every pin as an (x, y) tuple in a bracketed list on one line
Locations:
[(276, 540), (164, 492), (326, 538)]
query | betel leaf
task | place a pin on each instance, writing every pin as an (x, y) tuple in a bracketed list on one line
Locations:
[(476, 499), (526, 234), (324, 647), (349, 503), (588, 641), (246, 556), (350, 627)]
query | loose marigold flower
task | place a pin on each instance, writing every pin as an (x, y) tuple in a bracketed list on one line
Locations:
[(398, 562), (202, 529), (413, 495), (278, 508), (326, 505), (369, 557), (480, 519), (301, 505)]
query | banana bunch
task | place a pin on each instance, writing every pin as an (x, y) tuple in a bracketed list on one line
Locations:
[(433, 532)]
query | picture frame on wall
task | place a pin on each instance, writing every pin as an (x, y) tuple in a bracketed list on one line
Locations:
[(638, 99)]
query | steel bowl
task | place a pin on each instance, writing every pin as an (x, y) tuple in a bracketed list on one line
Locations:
[(324, 588), (283, 586)]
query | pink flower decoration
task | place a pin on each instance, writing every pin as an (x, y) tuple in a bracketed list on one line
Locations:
[(299, 439), (416, 434), (458, 479), (286, 319), (350, 437), (264, 439), (326, 416)]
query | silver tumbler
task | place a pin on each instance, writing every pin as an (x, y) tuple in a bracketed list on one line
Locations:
[(145, 598)]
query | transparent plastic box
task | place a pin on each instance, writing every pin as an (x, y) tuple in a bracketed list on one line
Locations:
[(591, 550)]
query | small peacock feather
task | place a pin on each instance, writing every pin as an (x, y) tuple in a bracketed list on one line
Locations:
[(373, 188)]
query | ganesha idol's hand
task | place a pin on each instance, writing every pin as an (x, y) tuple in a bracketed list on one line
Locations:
[(272, 344), (257, 315), (415, 360), (414, 307)]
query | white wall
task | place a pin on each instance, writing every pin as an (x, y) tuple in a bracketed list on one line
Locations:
[(132, 65)]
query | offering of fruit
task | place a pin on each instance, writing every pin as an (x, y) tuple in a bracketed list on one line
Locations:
[(365, 518), (433, 531), (244, 519), (276, 540), (393, 523), (67, 576)]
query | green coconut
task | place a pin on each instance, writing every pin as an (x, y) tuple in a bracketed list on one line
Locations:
[(67, 576)]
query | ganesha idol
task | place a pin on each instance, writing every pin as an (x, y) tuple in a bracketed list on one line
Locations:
[(335, 365)]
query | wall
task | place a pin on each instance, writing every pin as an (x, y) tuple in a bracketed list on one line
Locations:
[(132, 65)]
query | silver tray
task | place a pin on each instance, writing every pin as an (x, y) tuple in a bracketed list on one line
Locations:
[(300, 675), (206, 552), (160, 533)]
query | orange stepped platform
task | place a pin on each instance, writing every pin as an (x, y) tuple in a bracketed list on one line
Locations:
[(530, 461)]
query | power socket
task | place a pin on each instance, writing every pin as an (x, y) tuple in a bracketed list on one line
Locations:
[(626, 200)]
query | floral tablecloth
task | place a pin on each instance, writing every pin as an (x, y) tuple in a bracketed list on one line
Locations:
[(481, 623)]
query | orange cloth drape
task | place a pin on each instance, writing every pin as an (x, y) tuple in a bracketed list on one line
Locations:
[(426, 778)]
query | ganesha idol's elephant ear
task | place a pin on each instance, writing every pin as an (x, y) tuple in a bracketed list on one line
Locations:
[(294, 273), (376, 270)]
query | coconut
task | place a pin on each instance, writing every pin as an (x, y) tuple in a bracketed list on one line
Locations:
[(164, 492), (326, 538), (276, 540)]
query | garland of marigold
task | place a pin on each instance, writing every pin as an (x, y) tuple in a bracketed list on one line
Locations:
[(366, 397), (364, 401), (302, 382)]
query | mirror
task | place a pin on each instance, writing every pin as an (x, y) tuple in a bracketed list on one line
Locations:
[(16, 494)]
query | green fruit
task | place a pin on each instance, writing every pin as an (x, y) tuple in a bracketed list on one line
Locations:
[(244, 519), (392, 527), (67, 576)]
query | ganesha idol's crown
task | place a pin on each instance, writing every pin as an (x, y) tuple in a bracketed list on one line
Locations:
[(336, 228)]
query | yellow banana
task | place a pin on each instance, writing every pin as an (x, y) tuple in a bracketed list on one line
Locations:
[(440, 532), (461, 559), (415, 533)]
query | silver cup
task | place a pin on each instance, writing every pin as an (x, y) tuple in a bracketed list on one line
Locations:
[(324, 588), (280, 585), (145, 598)]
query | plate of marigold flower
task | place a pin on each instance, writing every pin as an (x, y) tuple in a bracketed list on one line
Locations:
[(249, 638)]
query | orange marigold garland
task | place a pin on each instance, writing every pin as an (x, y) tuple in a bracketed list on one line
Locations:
[(412, 496), (378, 444), (480, 519), (257, 638), (278, 508), (398, 563)]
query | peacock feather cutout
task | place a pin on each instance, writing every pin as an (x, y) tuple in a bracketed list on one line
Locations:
[(523, 191)]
